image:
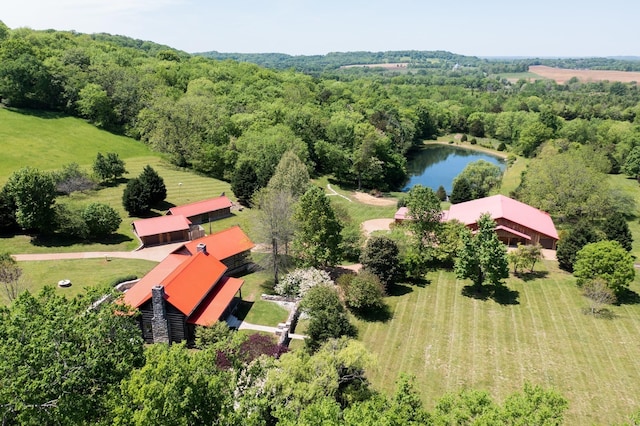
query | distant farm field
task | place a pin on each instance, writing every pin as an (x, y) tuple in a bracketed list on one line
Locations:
[(562, 75), (538, 334)]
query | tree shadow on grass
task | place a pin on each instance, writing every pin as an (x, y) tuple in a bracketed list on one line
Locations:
[(504, 295), (163, 206), (57, 240), (498, 293), (418, 282), (382, 314), (628, 297), (476, 292), (530, 276), (398, 290)]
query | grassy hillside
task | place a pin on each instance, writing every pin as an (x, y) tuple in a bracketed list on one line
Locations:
[(539, 334), (47, 141)]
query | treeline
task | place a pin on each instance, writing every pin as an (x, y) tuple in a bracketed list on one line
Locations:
[(222, 117)]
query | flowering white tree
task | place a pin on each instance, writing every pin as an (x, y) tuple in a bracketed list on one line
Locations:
[(297, 283)]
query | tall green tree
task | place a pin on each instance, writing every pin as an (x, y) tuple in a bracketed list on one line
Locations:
[(175, 386), (154, 184), (461, 191), (424, 213), (631, 166), (317, 238), (481, 177), (605, 260), (291, 175), (244, 182), (617, 229), (34, 194), (61, 358), (482, 257)]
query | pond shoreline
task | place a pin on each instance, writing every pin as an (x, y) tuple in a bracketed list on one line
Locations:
[(467, 145)]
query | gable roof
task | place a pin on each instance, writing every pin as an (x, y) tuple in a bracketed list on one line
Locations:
[(216, 302), (161, 225), (501, 207), (201, 207), (222, 244), (187, 281)]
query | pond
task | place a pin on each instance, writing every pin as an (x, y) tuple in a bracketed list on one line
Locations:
[(436, 165)]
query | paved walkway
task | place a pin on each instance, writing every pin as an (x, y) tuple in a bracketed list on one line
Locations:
[(248, 326), (155, 254)]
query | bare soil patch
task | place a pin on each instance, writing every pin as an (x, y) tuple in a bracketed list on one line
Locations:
[(374, 201), (562, 75), (369, 226)]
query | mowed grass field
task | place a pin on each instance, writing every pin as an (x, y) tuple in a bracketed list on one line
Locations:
[(450, 342)]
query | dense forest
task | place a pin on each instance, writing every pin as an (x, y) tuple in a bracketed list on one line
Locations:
[(358, 125)]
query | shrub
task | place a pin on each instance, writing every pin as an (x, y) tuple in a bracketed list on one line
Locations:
[(101, 219), (380, 257), (122, 279), (364, 291), (70, 222), (473, 141), (463, 138), (502, 146)]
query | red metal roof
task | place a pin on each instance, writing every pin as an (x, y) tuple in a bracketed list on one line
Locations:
[(501, 207), (201, 207), (141, 291), (213, 306), (161, 225), (223, 244), (401, 214), (187, 280)]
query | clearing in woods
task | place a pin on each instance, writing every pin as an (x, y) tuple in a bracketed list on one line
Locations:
[(562, 75)]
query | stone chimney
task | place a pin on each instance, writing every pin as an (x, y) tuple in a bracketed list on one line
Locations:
[(159, 324), (201, 247)]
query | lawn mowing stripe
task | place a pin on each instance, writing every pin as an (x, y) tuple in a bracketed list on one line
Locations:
[(410, 341), (451, 381), (578, 353), (516, 321)]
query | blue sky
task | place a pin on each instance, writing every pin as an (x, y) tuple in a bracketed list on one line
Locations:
[(304, 27)]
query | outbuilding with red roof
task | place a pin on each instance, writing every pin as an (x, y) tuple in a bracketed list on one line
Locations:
[(162, 230), (516, 222), (204, 211)]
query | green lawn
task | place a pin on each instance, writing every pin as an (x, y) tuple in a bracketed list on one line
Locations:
[(47, 141), (83, 273), (450, 341)]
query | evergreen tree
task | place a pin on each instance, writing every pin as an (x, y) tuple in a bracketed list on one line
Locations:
[(317, 239), (380, 257), (244, 182), (136, 199), (441, 193), (461, 191), (582, 234), (617, 229), (154, 184)]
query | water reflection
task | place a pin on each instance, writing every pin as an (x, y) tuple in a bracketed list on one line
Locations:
[(436, 165)]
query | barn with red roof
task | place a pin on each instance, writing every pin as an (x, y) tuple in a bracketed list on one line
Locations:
[(204, 211), (192, 286), (162, 230), (516, 222)]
